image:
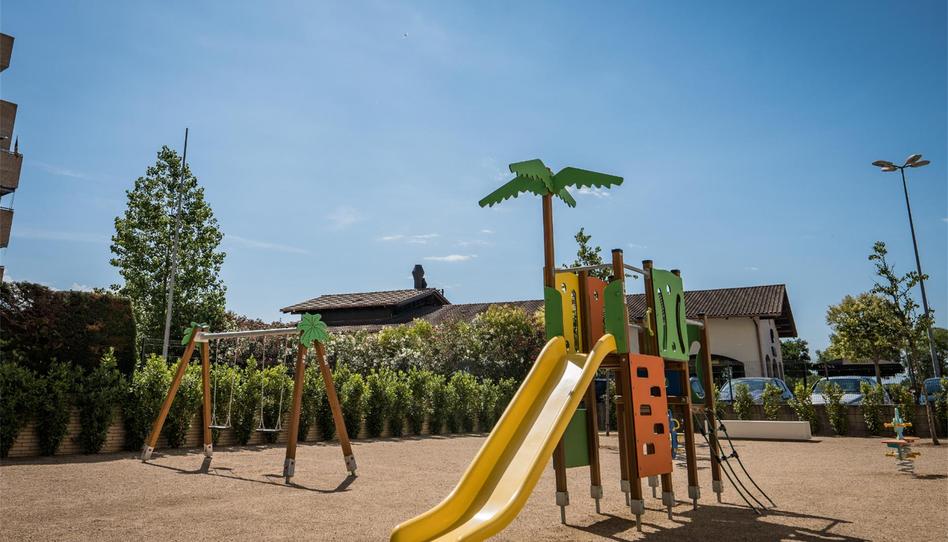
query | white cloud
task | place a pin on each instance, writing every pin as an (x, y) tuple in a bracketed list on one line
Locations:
[(945, 219), (265, 245), (594, 191), (475, 243), (24, 232), (486, 231), (58, 170), (421, 239), (751, 268), (343, 217), (634, 245), (451, 258), (80, 287)]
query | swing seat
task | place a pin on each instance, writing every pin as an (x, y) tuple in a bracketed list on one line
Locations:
[(218, 426), (267, 430)]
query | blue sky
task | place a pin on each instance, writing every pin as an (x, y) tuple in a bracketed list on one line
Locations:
[(340, 144)]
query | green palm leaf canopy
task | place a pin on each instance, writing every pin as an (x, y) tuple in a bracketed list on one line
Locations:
[(533, 176)]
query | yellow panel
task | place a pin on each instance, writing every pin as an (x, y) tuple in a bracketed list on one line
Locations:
[(568, 285)]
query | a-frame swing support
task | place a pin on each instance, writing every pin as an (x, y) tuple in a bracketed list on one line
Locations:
[(199, 339)]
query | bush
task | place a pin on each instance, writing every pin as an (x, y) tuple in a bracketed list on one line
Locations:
[(419, 389), (442, 398), (313, 392), (18, 398), (324, 419), (904, 399), (247, 402), (184, 406), (506, 389), (613, 417), (835, 410), (506, 341), (771, 401), (401, 397), (52, 408), (464, 407), (277, 390), (802, 405), (873, 397), (718, 405), (98, 392), (743, 402), (377, 401), (353, 403), (147, 390), (45, 325), (225, 381), (487, 397)]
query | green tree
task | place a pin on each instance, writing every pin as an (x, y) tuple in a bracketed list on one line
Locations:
[(586, 254), (796, 357), (897, 291), (52, 412), (864, 328), (142, 247), (99, 392), (872, 399), (802, 405), (835, 410)]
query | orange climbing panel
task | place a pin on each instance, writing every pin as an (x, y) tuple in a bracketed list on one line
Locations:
[(650, 415)]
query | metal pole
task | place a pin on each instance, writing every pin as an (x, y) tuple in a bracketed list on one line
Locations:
[(936, 369), (174, 251)]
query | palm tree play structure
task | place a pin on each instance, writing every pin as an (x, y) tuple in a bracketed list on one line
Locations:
[(588, 329)]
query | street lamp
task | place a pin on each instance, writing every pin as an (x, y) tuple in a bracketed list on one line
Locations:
[(915, 160)]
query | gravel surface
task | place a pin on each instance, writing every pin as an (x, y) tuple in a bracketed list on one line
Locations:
[(830, 489)]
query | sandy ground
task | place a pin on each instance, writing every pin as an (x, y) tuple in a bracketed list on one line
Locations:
[(832, 489)]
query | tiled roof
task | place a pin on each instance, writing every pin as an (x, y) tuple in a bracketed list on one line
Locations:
[(363, 300)]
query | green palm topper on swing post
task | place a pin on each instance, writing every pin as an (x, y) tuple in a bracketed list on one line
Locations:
[(312, 328), (189, 331), (533, 176)]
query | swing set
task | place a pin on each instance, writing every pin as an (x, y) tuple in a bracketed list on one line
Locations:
[(309, 335)]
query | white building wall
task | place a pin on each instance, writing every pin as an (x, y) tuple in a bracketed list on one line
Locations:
[(736, 338)]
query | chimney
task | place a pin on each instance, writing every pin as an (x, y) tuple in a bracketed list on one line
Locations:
[(418, 273)]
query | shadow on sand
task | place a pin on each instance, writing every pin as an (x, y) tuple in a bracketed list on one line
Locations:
[(721, 523)]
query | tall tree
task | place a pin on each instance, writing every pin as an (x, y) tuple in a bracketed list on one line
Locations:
[(796, 357), (864, 329), (142, 245), (586, 254), (913, 327)]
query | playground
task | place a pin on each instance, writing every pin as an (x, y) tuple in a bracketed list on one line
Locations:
[(832, 488)]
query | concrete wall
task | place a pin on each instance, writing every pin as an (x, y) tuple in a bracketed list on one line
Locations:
[(856, 421)]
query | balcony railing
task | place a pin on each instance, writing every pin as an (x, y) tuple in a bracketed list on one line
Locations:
[(10, 165)]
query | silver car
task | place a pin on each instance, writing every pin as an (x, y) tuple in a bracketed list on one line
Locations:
[(756, 387), (851, 386)]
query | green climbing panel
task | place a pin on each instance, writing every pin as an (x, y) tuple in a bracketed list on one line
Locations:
[(553, 312), (574, 440), (670, 315), (616, 315)]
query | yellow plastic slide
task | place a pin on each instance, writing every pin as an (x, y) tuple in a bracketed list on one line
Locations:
[(503, 474)]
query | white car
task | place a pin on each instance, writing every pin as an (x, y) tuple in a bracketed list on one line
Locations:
[(852, 392)]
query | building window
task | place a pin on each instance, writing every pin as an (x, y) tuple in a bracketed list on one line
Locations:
[(772, 336)]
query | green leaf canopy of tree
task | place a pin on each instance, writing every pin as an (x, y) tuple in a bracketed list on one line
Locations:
[(864, 328), (586, 254), (533, 176), (796, 356), (142, 246)]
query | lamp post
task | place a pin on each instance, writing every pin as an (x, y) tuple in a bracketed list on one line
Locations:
[(915, 160)]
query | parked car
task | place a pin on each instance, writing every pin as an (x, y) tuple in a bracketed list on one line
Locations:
[(851, 386), (756, 386), (933, 389)]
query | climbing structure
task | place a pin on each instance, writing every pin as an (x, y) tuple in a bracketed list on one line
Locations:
[(588, 330)]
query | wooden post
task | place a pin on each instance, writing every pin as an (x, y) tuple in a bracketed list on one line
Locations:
[(626, 423), (152, 441), (668, 492), (694, 491), (592, 423), (549, 280), (708, 385), (289, 464), (206, 393), (336, 408)]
